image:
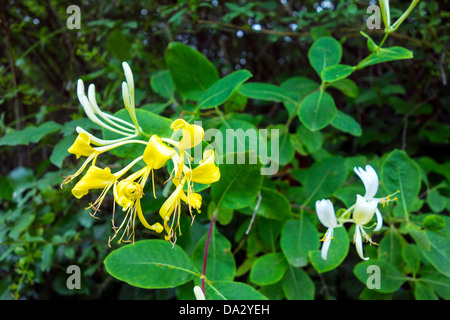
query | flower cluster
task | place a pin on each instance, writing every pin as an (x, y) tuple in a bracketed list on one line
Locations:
[(363, 211), (128, 189)]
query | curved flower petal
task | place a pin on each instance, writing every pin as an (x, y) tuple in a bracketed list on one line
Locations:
[(126, 192), (358, 242), (326, 243), (156, 226), (207, 172), (95, 178), (157, 153), (364, 210), (194, 200), (192, 133), (168, 206), (379, 220), (325, 213), (369, 178), (82, 146)]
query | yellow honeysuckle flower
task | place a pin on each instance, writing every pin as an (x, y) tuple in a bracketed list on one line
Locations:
[(98, 178), (207, 172), (157, 153), (127, 194), (171, 205), (82, 146), (95, 178), (192, 134)]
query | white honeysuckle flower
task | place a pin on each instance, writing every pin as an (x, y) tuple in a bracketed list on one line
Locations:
[(199, 295), (365, 207), (326, 215)]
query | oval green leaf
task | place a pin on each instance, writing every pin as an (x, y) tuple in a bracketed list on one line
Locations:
[(192, 72), (238, 186), (347, 124), (230, 290), (298, 237), (317, 110), (221, 90), (268, 269), (336, 72), (221, 265), (390, 278), (324, 52), (151, 264)]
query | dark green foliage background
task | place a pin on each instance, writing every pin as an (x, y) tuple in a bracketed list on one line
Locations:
[(401, 105)]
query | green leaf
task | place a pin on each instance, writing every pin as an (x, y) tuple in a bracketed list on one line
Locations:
[(118, 45), (436, 201), (347, 87), (30, 134), (347, 124), (192, 72), (400, 173), (371, 45), (264, 91), (336, 72), (149, 122), (317, 110), (419, 236), (310, 141), (273, 205), (230, 290), (221, 90), (151, 264), (220, 263), (338, 251), (268, 269), (439, 253), (412, 258), (298, 237), (47, 257), (424, 292), (6, 189), (319, 32), (433, 222), (390, 248), (439, 282), (21, 224), (238, 186), (162, 84), (297, 285), (300, 85), (324, 178), (390, 278), (60, 151), (385, 55), (324, 52)]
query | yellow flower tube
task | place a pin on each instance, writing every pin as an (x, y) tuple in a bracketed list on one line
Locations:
[(192, 134)]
